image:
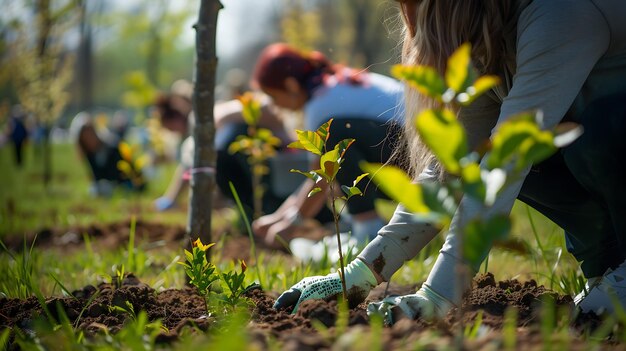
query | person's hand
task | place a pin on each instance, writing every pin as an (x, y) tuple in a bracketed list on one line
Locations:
[(163, 203), (261, 225), (425, 303), (277, 225), (359, 281)]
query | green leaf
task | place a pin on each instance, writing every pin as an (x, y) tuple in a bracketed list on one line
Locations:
[(444, 135), (480, 86), (472, 182), (314, 191), (458, 70), (536, 150), (397, 185), (324, 130), (251, 109), (329, 163), (423, 78), (351, 191), (311, 174), (342, 147), (358, 179), (309, 141), (480, 234), (520, 138)]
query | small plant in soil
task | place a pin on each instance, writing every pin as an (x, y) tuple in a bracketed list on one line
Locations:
[(200, 271), (203, 274), (234, 282), (259, 145), (330, 164)]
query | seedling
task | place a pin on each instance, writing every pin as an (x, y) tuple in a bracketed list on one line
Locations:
[(330, 164), (201, 272), (234, 283), (259, 145)]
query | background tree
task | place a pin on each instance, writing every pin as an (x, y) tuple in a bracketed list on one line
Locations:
[(357, 33), (41, 67)]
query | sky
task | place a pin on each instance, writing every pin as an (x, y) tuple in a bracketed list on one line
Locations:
[(235, 16)]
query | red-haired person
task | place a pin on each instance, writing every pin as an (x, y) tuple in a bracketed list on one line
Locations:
[(365, 106), (564, 57)]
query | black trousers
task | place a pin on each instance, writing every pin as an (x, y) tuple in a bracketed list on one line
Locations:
[(583, 187)]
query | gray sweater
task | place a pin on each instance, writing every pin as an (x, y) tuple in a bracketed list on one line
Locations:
[(567, 53)]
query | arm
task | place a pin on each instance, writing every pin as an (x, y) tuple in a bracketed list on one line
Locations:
[(176, 186), (550, 74), (291, 212)]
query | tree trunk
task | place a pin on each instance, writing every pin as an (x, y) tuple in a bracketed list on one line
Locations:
[(84, 63), (203, 172)]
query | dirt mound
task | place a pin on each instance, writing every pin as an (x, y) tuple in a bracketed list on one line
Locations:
[(107, 236), (107, 306)]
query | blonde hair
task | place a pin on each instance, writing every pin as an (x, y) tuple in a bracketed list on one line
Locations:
[(441, 26)]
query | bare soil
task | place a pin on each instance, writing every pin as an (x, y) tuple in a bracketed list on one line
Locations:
[(92, 308)]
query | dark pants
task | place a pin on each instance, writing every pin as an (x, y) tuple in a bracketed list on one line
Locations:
[(235, 168), (374, 142), (583, 188), (18, 148)]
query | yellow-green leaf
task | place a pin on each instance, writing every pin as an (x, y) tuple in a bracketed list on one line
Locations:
[(458, 68), (444, 135), (358, 179), (141, 162), (251, 108), (324, 130), (309, 141), (314, 191), (509, 137), (480, 86), (329, 163), (397, 185), (342, 147), (124, 167), (423, 78)]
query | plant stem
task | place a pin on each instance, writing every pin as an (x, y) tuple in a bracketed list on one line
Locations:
[(341, 265), (257, 191)]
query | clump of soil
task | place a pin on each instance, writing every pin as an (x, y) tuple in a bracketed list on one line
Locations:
[(107, 236)]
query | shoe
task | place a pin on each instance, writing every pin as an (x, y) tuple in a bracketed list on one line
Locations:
[(590, 284), (607, 294)]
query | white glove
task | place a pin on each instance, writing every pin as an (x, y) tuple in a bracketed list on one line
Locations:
[(425, 303), (359, 281)]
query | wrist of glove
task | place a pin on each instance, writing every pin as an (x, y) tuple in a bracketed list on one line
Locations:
[(425, 303), (359, 281)]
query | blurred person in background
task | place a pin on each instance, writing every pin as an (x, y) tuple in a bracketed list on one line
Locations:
[(17, 133), (98, 143), (365, 106)]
